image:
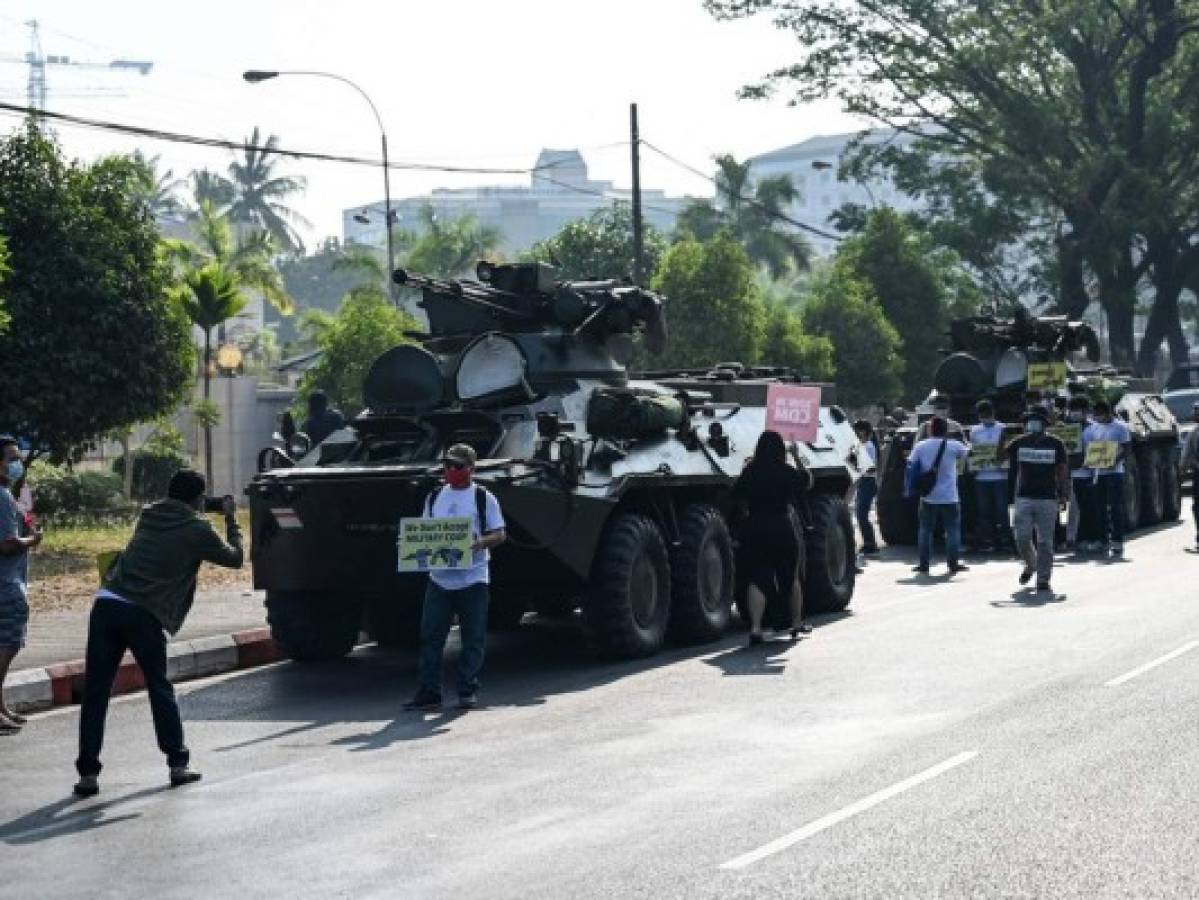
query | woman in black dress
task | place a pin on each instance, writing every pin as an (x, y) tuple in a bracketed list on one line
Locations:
[(770, 548)]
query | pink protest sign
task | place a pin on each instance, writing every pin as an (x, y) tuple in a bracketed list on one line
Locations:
[(793, 410)]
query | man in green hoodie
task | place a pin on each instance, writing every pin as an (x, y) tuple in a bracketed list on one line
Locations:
[(147, 592)]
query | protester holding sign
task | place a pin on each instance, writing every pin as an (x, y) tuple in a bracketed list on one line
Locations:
[(1105, 445), (1082, 532), (1042, 483), (457, 590), (990, 478), (932, 475)]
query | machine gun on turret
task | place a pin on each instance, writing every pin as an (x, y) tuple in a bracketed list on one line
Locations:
[(528, 298)]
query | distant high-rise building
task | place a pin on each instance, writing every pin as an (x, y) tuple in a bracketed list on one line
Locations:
[(559, 192), (814, 166)]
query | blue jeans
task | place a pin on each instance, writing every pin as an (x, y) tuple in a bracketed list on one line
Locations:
[(1109, 502), (470, 605), (949, 515), (991, 513), (113, 628), (863, 499)]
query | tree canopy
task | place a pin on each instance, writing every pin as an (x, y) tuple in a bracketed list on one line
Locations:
[(1081, 114), (866, 346), (260, 194), (367, 324), (754, 213), (97, 342), (600, 246), (714, 312), (449, 248)]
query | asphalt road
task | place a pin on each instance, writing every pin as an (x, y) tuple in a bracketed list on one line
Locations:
[(955, 738)]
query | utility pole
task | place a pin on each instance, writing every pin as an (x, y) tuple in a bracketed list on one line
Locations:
[(638, 233)]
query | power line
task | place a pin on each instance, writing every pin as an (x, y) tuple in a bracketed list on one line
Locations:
[(752, 201), (222, 144)]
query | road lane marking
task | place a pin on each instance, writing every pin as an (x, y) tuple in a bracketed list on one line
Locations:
[(813, 828), (1153, 664)]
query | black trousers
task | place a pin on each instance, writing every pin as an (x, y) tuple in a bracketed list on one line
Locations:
[(1195, 500), (113, 628)]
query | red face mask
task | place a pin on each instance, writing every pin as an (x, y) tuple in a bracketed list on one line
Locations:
[(457, 478)]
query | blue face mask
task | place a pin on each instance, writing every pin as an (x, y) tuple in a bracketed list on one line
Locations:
[(1034, 426), (16, 470)]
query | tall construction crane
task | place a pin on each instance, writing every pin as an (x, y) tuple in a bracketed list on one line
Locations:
[(38, 62)]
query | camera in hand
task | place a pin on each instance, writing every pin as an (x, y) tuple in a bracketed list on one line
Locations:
[(214, 504)]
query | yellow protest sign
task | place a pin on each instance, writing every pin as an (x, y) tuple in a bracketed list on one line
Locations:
[(1101, 455), (1070, 435), (435, 544), (1049, 376), (985, 456)]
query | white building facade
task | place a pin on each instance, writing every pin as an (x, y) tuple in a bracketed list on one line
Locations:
[(560, 191), (814, 167)]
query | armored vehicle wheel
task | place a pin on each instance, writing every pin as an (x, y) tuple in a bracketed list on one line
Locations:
[(830, 551), (1171, 488), (1132, 493), (1150, 470), (701, 576), (394, 622), (312, 626), (627, 605)]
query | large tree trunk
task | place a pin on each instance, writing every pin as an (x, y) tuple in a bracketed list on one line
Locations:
[(1117, 294), (1072, 298), (207, 394)]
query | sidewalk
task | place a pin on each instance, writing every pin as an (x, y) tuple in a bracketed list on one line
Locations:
[(62, 637)]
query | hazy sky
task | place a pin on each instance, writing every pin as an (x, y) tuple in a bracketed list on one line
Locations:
[(485, 82)]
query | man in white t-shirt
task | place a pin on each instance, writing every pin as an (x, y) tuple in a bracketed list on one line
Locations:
[(942, 503), (991, 523), (459, 592), (1109, 482)]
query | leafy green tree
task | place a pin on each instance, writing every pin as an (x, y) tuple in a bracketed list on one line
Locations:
[(714, 312), (249, 253), (211, 187), (1086, 106), (600, 246), (97, 341), (754, 212), (450, 248), (784, 343), (211, 295), (261, 195), (159, 191), (367, 324), (904, 273), (4, 270), (866, 347)]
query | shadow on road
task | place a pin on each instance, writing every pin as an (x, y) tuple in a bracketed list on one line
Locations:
[(754, 659), (1029, 597), (69, 816)]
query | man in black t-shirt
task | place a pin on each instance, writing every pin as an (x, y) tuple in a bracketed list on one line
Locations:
[(1042, 470)]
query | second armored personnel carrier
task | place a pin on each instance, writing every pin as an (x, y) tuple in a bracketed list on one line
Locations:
[(616, 490), (990, 357)]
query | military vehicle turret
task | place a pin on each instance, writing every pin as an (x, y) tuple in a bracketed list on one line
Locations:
[(616, 489), (990, 357)]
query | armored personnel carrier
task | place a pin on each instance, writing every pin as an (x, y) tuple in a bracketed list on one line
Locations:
[(990, 358), (615, 489)]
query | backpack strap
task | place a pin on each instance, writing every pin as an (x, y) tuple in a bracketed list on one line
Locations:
[(432, 499), (481, 508)]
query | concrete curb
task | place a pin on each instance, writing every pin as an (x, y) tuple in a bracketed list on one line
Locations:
[(62, 683)]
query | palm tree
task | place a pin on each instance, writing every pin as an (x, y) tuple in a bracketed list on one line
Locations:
[(212, 187), (260, 194), (756, 218), (157, 191), (449, 248), (249, 254), (211, 295)]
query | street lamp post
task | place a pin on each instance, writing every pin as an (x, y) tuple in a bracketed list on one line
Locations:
[(253, 76)]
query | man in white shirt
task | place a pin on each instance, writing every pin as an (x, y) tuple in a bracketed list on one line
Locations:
[(461, 592), (1109, 482), (942, 504), (991, 525)]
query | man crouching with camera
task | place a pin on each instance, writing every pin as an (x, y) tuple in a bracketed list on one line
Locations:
[(147, 592)]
